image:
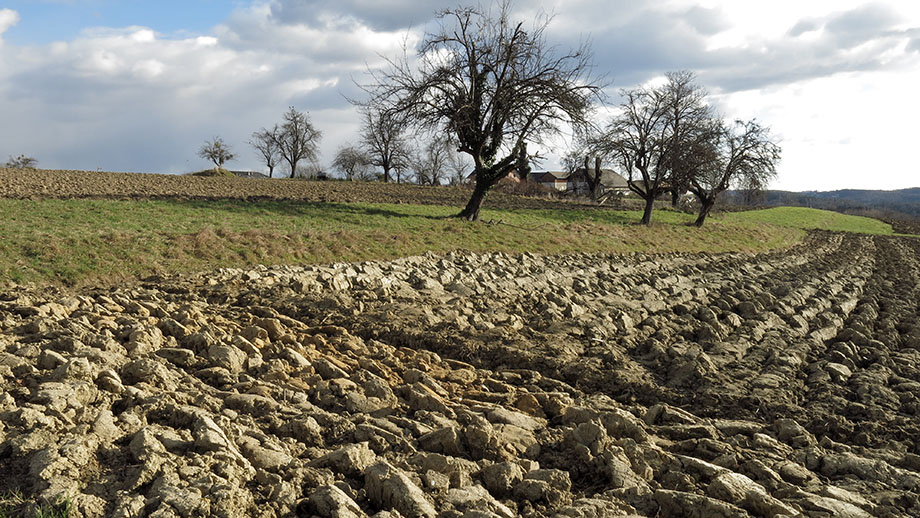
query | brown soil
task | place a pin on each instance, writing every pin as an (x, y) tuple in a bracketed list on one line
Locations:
[(32, 184), (469, 385), (670, 385)]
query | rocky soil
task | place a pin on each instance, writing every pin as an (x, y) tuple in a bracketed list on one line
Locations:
[(45, 183), (478, 385)]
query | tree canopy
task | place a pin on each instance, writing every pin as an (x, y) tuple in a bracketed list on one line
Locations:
[(297, 139), (216, 151)]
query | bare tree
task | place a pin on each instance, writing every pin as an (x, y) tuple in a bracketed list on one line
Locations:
[(265, 142), (383, 138), (354, 163), (429, 162), (688, 119), (649, 136), (217, 152), (457, 166), (297, 139), (491, 84), (637, 137), (743, 154), (21, 162)]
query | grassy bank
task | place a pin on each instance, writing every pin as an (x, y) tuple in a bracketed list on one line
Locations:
[(86, 242), (804, 218)]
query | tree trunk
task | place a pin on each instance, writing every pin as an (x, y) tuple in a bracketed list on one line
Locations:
[(596, 180), (471, 212), (271, 169), (386, 174), (647, 215), (705, 207)]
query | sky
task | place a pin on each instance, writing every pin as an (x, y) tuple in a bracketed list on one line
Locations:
[(135, 85)]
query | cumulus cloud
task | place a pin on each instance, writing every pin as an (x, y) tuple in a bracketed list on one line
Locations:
[(640, 43), (119, 97), (347, 43), (392, 15), (133, 98), (8, 18), (857, 26)]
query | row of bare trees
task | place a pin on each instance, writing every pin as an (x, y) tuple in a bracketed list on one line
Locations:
[(486, 86), (492, 85), (293, 141), (385, 145), (666, 140)]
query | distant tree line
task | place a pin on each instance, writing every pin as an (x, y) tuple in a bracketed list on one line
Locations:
[(897, 204)]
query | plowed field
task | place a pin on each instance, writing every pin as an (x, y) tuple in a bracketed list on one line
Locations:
[(469, 385), (30, 183)]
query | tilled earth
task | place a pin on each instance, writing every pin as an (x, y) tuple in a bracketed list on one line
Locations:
[(45, 183), (478, 385)]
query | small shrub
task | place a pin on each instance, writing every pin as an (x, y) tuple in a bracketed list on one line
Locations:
[(22, 162)]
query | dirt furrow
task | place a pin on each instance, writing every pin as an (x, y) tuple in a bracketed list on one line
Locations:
[(478, 385)]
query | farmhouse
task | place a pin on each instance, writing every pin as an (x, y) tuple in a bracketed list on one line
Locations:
[(577, 181)]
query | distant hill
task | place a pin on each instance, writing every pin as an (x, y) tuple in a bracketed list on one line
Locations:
[(898, 204)]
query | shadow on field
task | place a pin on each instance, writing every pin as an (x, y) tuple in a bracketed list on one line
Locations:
[(327, 210)]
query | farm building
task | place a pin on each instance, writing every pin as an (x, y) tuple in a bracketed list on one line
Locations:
[(576, 181)]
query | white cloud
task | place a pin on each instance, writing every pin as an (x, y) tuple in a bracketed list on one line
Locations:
[(143, 35), (8, 18), (825, 74), (844, 131), (131, 99), (148, 68)]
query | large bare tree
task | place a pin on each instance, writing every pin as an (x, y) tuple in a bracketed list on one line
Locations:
[(742, 154), (492, 84), (637, 137), (383, 136), (266, 143), (297, 139)]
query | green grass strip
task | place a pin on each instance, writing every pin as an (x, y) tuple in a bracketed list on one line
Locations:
[(100, 242)]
